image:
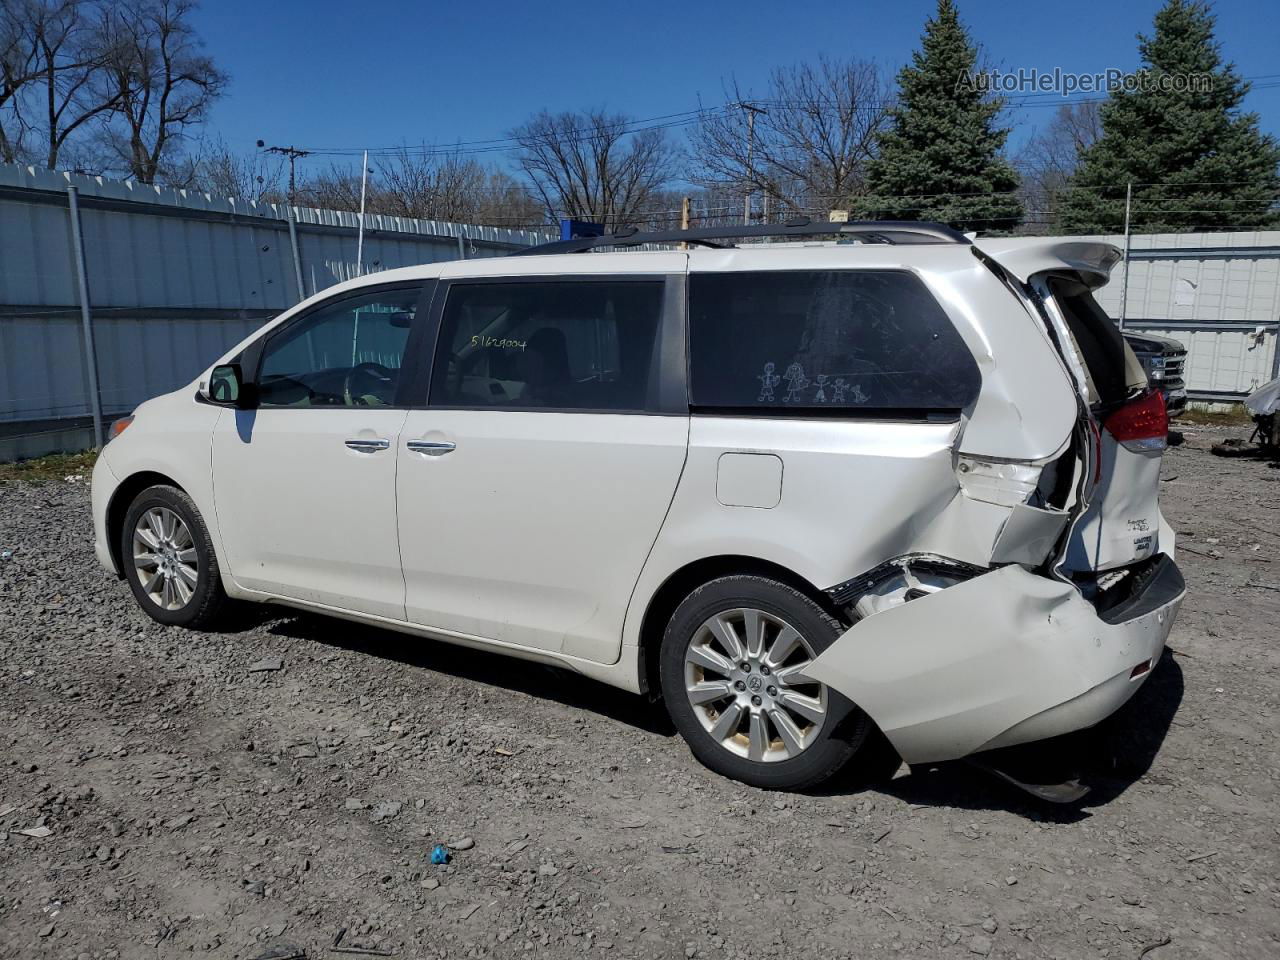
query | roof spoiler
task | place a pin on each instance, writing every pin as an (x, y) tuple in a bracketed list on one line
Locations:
[(1024, 257), (863, 231)]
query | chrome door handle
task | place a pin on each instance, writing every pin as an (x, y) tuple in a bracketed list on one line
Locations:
[(432, 448), (368, 446)]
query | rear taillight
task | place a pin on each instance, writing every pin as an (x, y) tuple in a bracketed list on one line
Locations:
[(1141, 425)]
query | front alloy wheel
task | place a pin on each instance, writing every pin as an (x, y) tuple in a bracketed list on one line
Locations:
[(168, 559), (165, 557)]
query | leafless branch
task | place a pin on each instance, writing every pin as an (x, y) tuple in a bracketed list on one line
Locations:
[(164, 83), (814, 132), (590, 165)]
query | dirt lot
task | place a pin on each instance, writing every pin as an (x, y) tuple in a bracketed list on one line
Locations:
[(227, 794)]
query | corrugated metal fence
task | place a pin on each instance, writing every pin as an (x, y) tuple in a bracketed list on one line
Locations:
[(1218, 293), (174, 279)]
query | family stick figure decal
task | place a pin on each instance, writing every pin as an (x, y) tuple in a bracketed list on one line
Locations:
[(827, 389)]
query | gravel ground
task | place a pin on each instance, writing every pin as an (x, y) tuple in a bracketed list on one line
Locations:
[(165, 792)]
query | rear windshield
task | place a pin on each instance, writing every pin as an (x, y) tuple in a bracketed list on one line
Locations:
[(837, 342), (1113, 371)]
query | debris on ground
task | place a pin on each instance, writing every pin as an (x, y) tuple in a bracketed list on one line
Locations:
[(1237, 447), (340, 945), (283, 951), (600, 836), (386, 810)]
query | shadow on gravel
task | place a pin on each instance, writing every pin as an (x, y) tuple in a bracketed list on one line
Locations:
[(479, 666), (241, 617), (1108, 759)]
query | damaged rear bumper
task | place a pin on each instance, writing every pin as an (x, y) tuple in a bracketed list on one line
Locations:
[(1004, 658)]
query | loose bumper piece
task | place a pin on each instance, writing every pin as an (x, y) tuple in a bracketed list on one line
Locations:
[(1007, 657)]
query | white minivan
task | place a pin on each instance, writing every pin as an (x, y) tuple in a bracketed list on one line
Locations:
[(861, 477)]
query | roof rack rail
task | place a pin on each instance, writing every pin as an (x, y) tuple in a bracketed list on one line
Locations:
[(865, 231)]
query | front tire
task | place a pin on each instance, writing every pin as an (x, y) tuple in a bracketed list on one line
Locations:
[(169, 561), (732, 678)]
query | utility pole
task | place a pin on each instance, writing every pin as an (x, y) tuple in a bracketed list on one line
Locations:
[(86, 320), (684, 219), (751, 111), (293, 153), (364, 180), (1124, 282)]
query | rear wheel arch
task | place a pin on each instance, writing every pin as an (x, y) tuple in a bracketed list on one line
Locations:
[(664, 601)]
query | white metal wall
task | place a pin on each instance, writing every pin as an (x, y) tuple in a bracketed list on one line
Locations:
[(174, 279), (1218, 293)]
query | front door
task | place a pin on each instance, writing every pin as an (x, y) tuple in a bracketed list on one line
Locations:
[(304, 485), (532, 487)]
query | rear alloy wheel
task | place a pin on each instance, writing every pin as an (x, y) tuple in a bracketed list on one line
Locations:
[(744, 677), (169, 561), (733, 662)]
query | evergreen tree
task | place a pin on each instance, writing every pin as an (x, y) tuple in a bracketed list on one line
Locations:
[(1176, 133), (940, 155)]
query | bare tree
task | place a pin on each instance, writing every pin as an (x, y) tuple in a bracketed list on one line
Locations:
[(1049, 157), (54, 75), (164, 84), (451, 186), (337, 188), (430, 185), (506, 202), (592, 166), (256, 177), (814, 131), (18, 69)]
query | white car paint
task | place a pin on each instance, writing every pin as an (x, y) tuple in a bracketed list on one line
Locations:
[(998, 660), (534, 529), (285, 497), (1025, 257), (548, 536), (175, 444)]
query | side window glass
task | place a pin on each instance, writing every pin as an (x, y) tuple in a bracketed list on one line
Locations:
[(345, 354), (553, 345), (808, 342)]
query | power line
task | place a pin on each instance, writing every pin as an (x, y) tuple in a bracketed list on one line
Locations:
[(687, 117), (502, 144)]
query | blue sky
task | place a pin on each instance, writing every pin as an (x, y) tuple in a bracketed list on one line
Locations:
[(321, 73)]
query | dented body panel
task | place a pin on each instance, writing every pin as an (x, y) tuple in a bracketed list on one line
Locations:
[(961, 538), (1005, 658)]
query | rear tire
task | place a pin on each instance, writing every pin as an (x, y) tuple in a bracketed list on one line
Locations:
[(766, 725), (169, 561)]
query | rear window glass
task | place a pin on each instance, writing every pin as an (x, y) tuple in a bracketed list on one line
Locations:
[(830, 341)]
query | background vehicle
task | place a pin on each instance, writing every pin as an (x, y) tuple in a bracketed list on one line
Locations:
[(1264, 406), (1163, 358), (803, 492)]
